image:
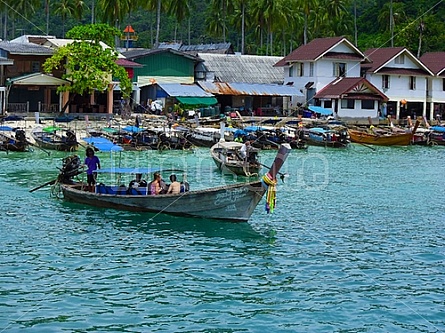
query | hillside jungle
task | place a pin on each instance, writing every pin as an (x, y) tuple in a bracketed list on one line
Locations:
[(262, 27)]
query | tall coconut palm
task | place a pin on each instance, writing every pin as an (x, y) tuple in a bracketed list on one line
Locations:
[(180, 10), (19, 9), (158, 6), (113, 11), (68, 8), (307, 7)]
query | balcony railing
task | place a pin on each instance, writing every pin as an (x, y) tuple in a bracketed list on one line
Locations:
[(18, 107)]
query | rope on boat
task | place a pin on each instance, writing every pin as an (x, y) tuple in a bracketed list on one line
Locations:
[(271, 192)]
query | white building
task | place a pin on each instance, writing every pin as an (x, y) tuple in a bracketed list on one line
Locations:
[(435, 61), (328, 72), (402, 77)]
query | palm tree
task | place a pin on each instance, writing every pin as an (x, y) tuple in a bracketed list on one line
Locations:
[(180, 10), (65, 8), (113, 11), (307, 7), (158, 6)]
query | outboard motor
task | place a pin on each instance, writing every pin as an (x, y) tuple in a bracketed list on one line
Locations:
[(71, 166), (20, 136), (71, 136)]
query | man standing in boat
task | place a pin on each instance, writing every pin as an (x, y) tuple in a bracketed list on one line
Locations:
[(93, 163)]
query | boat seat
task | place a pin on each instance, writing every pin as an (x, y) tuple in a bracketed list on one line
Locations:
[(120, 190)]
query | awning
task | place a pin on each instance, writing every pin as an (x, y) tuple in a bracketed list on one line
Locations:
[(197, 100), (37, 79), (320, 110)]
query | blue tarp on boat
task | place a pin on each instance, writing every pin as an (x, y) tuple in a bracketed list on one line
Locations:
[(128, 170), (102, 144), (6, 129), (320, 110), (440, 129), (133, 129)]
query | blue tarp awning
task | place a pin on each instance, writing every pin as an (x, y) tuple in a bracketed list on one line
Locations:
[(102, 144), (320, 110), (440, 129), (133, 129), (128, 170)]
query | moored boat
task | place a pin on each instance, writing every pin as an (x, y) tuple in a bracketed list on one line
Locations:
[(13, 139), (382, 138), (55, 138), (326, 137), (234, 202), (228, 159)]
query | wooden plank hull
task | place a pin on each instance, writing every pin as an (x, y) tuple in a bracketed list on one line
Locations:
[(55, 143), (234, 165), (237, 169), (234, 203), (399, 139)]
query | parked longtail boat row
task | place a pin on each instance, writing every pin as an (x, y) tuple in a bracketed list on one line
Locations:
[(298, 133)]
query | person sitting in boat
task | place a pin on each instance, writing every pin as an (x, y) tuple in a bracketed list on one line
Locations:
[(244, 150), (138, 182), (155, 186), (175, 186)]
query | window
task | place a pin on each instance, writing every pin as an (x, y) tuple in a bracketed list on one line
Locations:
[(328, 104), (339, 69), (412, 83), (300, 69), (367, 104), (347, 103), (311, 69), (385, 81), (443, 84), (400, 59), (291, 71), (35, 67)]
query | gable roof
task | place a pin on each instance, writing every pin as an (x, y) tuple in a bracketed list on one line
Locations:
[(35, 39), (128, 63), (321, 47), (60, 42), (351, 87), (37, 79), (134, 54), (435, 61), (243, 68), (25, 49), (380, 57)]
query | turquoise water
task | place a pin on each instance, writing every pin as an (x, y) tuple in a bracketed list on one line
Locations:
[(356, 244)]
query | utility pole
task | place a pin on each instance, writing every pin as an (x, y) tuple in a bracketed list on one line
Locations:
[(391, 23)]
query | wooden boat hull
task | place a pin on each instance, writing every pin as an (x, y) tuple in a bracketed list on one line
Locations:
[(54, 143), (329, 144), (236, 169), (236, 166), (10, 143), (399, 139), (234, 203)]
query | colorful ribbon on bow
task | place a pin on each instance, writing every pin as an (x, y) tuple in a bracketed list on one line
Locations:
[(271, 192)]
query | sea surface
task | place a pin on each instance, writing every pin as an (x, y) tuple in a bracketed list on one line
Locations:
[(355, 244)]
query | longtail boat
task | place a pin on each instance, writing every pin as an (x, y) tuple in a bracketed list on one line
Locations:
[(10, 142), (382, 138), (55, 138), (228, 159), (234, 202)]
